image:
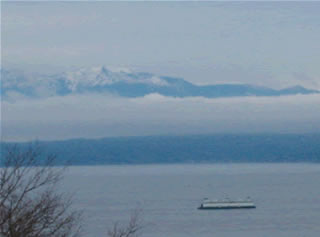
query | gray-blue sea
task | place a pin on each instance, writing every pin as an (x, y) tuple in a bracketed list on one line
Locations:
[(287, 197)]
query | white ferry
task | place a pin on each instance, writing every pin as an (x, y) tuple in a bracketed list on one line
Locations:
[(226, 204)]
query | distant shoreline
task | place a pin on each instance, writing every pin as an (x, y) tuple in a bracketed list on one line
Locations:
[(191, 149)]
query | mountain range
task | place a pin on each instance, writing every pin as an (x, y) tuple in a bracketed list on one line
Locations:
[(125, 83), (223, 148)]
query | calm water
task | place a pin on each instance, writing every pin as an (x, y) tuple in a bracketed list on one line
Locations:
[(287, 197)]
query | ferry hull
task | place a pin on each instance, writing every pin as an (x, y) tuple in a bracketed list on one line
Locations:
[(226, 207)]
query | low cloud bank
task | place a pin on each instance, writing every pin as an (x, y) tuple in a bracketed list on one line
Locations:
[(93, 116)]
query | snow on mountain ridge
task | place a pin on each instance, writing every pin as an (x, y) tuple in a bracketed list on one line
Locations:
[(102, 76)]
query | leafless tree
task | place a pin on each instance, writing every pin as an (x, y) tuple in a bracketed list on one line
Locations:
[(30, 205), (132, 229)]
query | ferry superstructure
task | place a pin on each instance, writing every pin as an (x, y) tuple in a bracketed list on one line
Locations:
[(226, 204)]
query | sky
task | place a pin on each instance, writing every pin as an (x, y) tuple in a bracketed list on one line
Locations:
[(274, 44)]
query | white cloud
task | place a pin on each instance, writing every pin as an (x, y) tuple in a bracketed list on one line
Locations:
[(104, 115)]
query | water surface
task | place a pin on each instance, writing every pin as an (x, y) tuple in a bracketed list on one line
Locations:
[(287, 197)]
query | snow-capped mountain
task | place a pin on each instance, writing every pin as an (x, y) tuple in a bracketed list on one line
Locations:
[(126, 83)]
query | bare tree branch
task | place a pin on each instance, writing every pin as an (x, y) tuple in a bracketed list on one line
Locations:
[(30, 205), (132, 229)]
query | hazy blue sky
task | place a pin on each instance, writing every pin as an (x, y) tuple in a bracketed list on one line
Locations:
[(274, 44)]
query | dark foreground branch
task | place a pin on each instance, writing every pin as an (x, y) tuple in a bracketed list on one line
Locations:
[(30, 205), (132, 229)]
